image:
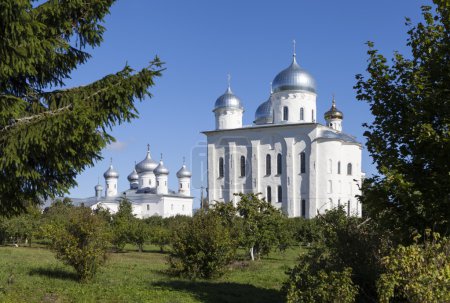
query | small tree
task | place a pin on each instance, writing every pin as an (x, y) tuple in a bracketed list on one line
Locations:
[(81, 242), (202, 248), (122, 225), (261, 224), (419, 273), (139, 233)]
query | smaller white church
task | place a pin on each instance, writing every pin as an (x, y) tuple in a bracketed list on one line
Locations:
[(148, 191)]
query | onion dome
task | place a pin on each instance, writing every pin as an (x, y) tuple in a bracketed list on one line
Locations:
[(184, 172), (228, 100), (264, 113), (98, 187), (333, 113), (146, 165), (161, 169), (133, 176), (111, 173), (294, 78)]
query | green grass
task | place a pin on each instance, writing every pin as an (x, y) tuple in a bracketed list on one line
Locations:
[(34, 275)]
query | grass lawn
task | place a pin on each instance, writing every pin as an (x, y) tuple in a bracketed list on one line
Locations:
[(34, 275)]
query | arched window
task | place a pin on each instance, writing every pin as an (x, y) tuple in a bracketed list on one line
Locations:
[(269, 194), (148, 206), (302, 114), (285, 113), (279, 164), (349, 169), (304, 208), (221, 174), (330, 187), (242, 166), (280, 194), (302, 162), (339, 168), (268, 165)]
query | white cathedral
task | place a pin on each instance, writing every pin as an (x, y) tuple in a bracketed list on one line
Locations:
[(296, 163), (148, 192)]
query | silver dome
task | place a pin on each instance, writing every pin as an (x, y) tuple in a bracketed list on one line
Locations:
[(294, 78), (184, 172), (161, 169), (146, 165), (111, 173), (264, 113), (228, 100), (133, 176), (98, 187)]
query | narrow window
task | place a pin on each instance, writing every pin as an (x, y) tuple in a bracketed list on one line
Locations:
[(242, 166), (181, 185), (221, 167), (339, 168), (330, 202), (348, 208), (304, 208), (157, 183), (148, 206), (268, 165), (107, 185), (115, 185), (302, 114), (171, 206), (312, 116), (330, 187), (339, 202), (269, 194), (302, 162), (285, 113), (280, 193), (349, 169), (279, 164)]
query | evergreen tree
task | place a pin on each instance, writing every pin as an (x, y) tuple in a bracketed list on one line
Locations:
[(49, 133), (409, 138)]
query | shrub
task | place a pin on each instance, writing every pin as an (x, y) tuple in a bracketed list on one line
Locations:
[(419, 273), (202, 247), (310, 286), (81, 242)]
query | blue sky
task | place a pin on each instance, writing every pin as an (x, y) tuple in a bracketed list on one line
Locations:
[(202, 41)]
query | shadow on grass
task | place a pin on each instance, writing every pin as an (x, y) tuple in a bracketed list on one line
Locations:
[(224, 292), (55, 273)]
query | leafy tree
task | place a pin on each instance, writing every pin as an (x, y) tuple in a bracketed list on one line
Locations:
[(409, 138), (419, 273), (122, 225), (22, 228), (82, 242), (261, 225), (202, 247), (48, 132), (139, 233)]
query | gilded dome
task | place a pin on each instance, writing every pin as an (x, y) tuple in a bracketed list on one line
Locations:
[(294, 78), (333, 113)]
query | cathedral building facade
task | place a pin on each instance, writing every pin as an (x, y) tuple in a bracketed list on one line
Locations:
[(296, 163), (148, 191)]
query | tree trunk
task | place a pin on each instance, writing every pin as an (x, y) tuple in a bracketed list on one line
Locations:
[(251, 254)]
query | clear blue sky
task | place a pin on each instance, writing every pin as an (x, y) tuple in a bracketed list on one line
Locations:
[(202, 41)]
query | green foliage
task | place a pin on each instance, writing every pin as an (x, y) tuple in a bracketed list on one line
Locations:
[(49, 136), (306, 286), (81, 242), (409, 139), (261, 225), (305, 231), (123, 225), (348, 243), (21, 228), (419, 273), (202, 248)]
